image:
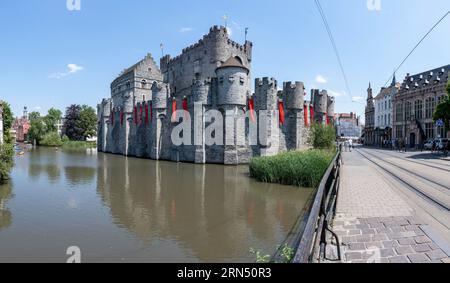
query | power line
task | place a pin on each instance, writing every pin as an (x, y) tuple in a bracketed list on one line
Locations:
[(333, 43), (417, 45)]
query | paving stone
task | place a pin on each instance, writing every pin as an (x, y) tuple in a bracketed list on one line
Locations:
[(406, 241), (362, 226), (413, 220), (398, 259), (411, 227), (422, 248), (404, 250), (378, 245), (433, 246), (446, 260), (348, 239), (341, 232), (338, 223), (436, 254), (379, 237), (387, 252), (418, 258), (397, 229), (356, 246), (349, 227), (390, 244), (376, 225), (422, 239), (368, 231), (350, 256), (384, 230), (354, 232), (363, 238)]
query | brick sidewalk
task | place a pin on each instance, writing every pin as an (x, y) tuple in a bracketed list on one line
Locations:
[(375, 224)]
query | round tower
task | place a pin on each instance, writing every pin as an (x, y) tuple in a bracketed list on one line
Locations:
[(160, 93), (266, 94), (294, 95), (320, 105), (330, 106), (233, 86), (201, 91)]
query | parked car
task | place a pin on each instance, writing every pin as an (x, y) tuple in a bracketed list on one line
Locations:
[(442, 144), (428, 144)]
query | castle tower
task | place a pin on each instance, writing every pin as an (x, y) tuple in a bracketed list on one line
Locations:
[(201, 92), (104, 125), (1, 123), (160, 119), (266, 107), (320, 106), (293, 94), (233, 90), (330, 109)]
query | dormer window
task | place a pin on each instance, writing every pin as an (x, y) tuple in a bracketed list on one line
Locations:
[(221, 80), (128, 85), (241, 80)]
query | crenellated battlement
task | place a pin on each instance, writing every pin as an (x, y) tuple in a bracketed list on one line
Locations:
[(266, 82), (294, 95)]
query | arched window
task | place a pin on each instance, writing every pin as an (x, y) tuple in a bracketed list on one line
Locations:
[(143, 83)]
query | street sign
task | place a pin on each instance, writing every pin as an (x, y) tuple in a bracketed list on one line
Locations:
[(439, 123)]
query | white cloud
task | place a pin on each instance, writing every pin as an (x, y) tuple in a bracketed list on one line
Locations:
[(186, 29), (336, 93), (236, 25), (321, 79), (357, 98), (38, 108), (72, 69)]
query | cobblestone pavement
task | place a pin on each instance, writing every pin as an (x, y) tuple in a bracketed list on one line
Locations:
[(374, 224)]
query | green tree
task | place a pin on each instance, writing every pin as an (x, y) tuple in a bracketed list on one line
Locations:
[(6, 149), (443, 110), (8, 119), (37, 127), (81, 122), (52, 118), (88, 121)]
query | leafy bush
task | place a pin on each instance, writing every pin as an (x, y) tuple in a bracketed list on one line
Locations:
[(6, 161), (322, 136), (298, 168), (51, 139)]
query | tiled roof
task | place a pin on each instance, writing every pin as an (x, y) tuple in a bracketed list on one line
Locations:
[(426, 78)]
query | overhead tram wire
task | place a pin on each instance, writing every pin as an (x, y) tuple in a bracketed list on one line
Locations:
[(333, 43), (417, 45)]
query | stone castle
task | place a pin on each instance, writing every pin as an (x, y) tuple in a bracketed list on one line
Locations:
[(148, 102)]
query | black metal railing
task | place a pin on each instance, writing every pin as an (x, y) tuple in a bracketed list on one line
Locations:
[(311, 246)]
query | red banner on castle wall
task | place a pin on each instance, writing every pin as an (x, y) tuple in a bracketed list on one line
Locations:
[(305, 110), (185, 107), (281, 111), (311, 113), (121, 118), (251, 107), (146, 114), (174, 109)]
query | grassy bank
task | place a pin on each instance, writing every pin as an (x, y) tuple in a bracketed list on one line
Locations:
[(79, 145), (297, 168)]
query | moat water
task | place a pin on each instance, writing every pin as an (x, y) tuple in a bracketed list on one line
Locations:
[(118, 209)]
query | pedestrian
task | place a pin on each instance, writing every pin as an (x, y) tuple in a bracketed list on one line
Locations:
[(350, 145)]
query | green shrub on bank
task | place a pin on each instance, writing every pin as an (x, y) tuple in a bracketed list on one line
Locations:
[(51, 139), (6, 161), (297, 168), (322, 136), (79, 145)]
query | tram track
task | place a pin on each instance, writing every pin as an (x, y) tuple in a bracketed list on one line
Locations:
[(411, 172), (426, 195), (424, 163)]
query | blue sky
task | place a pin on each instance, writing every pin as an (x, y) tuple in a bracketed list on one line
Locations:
[(53, 57)]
